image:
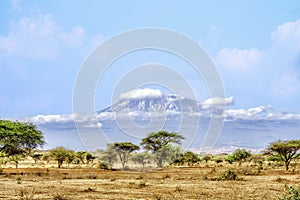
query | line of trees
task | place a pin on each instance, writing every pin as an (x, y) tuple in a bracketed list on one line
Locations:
[(159, 144), (20, 139)]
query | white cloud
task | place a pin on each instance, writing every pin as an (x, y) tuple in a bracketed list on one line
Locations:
[(42, 119), (251, 113), (65, 121), (282, 52), (38, 36), (259, 113), (95, 121), (106, 115), (272, 72), (238, 59), (217, 101), (287, 35), (142, 93), (33, 37)]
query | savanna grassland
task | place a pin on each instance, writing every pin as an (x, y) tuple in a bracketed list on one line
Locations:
[(202, 181)]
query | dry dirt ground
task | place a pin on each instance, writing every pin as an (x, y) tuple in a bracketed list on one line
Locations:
[(168, 183)]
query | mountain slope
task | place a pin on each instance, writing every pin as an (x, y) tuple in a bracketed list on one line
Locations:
[(162, 103)]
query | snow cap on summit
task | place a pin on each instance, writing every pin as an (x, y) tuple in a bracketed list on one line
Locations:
[(141, 94)]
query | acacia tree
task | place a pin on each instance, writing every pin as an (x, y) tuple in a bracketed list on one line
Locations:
[(18, 139), (123, 150), (61, 154), (287, 150), (156, 142)]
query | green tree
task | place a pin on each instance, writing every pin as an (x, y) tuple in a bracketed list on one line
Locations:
[(18, 139), (141, 158), (156, 142), (287, 150), (81, 155), (109, 155), (61, 154), (70, 157), (46, 157), (36, 157), (241, 155), (89, 158), (207, 158), (168, 153), (123, 150)]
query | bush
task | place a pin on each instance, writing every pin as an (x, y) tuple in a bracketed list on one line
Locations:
[(291, 193), (188, 157), (229, 175), (241, 155), (218, 159), (206, 158), (104, 166), (229, 158)]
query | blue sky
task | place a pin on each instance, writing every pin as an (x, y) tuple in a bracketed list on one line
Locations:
[(254, 44)]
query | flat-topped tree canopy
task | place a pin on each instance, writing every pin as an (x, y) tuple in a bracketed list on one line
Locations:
[(287, 150), (19, 137)]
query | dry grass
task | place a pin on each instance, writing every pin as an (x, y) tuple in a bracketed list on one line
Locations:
[(169, 183)]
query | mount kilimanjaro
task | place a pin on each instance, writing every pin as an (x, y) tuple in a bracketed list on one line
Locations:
[(161, 103)]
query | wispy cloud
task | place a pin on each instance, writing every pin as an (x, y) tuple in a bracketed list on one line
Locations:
[(272, 74), (38, 36), (238, 59), (283, 51)]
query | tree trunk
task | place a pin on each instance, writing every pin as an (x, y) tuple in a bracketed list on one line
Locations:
[(59, 163), (159, 162), (286, 166)]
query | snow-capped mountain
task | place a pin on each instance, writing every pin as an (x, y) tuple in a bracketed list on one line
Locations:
[(161, 103)]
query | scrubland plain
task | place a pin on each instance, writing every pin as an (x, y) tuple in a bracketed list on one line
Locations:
[(202, 181)]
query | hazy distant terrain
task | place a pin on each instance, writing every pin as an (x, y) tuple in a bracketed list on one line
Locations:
[(133, 118)]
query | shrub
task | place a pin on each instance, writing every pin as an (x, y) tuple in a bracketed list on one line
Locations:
[(206, 158), (27, 193), (241, 155), (229, 175), (188, 157), (218, 159), (291, 193), (103, 166), (229, 158)]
